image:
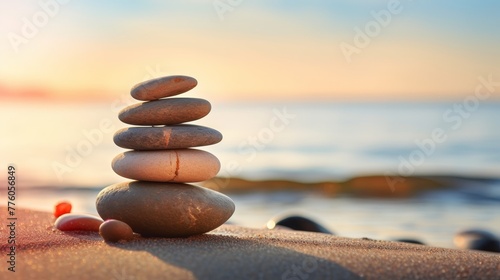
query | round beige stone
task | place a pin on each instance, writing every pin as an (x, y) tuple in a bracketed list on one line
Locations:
[(165, 111), (185, 165), (164, 209), (162, 87), (166, 138)]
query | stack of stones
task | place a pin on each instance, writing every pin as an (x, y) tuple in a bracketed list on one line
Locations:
[(160, 203)]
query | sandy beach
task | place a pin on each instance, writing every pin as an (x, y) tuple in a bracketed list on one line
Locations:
[(223, 139), (231, 252)]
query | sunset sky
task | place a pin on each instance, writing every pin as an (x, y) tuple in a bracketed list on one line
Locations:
[(250, 49)]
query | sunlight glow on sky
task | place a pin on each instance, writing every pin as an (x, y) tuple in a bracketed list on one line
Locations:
[(255, 49)]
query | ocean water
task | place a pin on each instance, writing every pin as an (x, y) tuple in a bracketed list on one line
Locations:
[(70, 146), (432, 218)]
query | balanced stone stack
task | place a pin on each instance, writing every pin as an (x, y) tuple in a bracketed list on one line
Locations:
[(160, 203)]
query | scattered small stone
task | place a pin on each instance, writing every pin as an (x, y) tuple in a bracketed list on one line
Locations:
[(62, 208), (115, 230), (409, 240), (367, 239), (72, 222), (477, 240), (297, 223)]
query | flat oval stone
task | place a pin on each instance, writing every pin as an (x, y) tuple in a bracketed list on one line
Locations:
[(165, 111), (162, 87), (85, 222), (164, 209), (166, 138), (186, 165)]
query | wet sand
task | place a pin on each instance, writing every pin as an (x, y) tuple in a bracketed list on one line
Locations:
[(230, 252)]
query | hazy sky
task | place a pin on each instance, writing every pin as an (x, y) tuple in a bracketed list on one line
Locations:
[(251, 49)]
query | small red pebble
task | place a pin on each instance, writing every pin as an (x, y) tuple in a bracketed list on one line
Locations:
[(62, 208), (69, 222)]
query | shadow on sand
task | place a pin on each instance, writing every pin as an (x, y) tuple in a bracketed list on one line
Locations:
[(211, 256)]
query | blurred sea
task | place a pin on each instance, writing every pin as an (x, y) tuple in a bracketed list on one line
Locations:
[(70, 146)]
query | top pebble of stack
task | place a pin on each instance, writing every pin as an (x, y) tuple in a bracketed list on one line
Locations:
[(162, 87)]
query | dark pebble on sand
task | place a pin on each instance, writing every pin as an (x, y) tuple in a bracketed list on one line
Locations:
[(408, 240), (477, 240), (297, 223)]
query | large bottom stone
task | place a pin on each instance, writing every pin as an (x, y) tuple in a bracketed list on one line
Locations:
[(164, 209)]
